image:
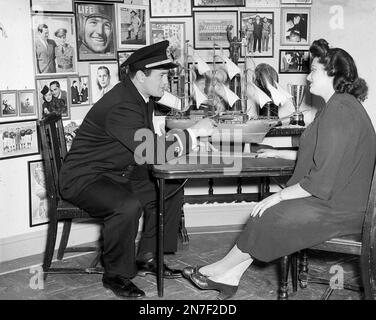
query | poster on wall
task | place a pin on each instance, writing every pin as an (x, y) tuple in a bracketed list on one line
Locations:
[(174, 32), (79, 91), (95, 25), (294, 61), (133, 26), (295, 29), (218, 3), (53, 96), (210, 27), (9, 105), (27, 102), (258, 35), (70, 131), (18, 139), (51, 6), (103, 77), (54, 44), (169, 9), (38, 201)]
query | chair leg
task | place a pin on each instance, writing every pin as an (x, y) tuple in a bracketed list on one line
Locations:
[(294, 272), (284, 274), (303, 270), (327, 293), (64, 238), (50, 246), (183, 230)]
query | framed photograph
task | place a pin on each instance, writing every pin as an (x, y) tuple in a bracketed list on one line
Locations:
[(218, 3), (70, 130), (294, 61), (296, 2), (104, 1), (258, 33), (53, 96), (79, 91), (133, 26), (27, 102), (96, 36), (38, 201), (211, 27), (54, 44), (48, 6), (122, 56), (18, 139), (169, 9), (172, 31), (295, 28), (103, 76), (9, 105)]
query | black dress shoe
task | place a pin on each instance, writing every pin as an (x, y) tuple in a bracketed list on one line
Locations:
[(226, 291), (187, 271), (122, 287), (150, 267)]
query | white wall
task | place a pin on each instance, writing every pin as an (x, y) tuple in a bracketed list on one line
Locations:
[(357, 34)]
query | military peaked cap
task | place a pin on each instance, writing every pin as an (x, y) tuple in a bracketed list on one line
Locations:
[(151, 57)]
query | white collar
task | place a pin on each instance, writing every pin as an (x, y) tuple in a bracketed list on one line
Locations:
[(146, 99)]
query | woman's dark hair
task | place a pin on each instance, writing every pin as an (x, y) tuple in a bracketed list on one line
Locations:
[(340, 65)]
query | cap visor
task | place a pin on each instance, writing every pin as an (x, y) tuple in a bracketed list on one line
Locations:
[(169, 65)]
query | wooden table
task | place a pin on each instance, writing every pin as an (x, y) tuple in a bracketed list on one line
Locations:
[(210, 167)]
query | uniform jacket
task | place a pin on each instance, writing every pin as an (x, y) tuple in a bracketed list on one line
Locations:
[(105, 143)]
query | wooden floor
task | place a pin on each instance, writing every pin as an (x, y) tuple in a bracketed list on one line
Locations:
[(260, 281)]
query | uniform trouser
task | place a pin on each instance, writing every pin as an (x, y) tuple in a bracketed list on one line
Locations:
[(257, 42), (265, 41), (120, 204)]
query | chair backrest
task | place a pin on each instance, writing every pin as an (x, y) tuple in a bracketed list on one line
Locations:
[(368, 254), (54, 149)]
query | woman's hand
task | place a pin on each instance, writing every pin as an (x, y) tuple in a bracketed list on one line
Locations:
[(275, 153), (266, 203), (267, 153)]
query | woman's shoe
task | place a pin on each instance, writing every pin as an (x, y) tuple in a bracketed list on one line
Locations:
[(187, 271), (226, 291)]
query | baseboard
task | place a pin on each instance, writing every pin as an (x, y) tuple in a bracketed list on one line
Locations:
[(199, 218), (34, 243)]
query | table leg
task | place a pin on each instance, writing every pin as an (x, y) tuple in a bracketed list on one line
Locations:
[(160, 236)]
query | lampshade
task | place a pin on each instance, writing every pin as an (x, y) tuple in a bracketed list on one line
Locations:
[(198, 95), (230, 96), (232, 68), (202, 66)]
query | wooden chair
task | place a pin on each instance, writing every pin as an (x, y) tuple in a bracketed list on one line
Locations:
[(54, 149), (363, 245)]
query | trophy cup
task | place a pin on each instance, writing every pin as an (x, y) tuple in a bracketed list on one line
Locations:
[(297, 92)]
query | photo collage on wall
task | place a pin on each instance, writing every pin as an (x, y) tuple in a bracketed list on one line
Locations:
[(79, 47)]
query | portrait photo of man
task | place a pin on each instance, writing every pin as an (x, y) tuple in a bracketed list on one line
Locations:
[(132, 30), (54, 42), (95, 31), (45, 50)]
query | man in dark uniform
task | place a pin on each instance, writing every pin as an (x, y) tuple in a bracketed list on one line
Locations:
[(103, 174), (257, 34)]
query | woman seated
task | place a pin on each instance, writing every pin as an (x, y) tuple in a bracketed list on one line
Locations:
[(327, 195)]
